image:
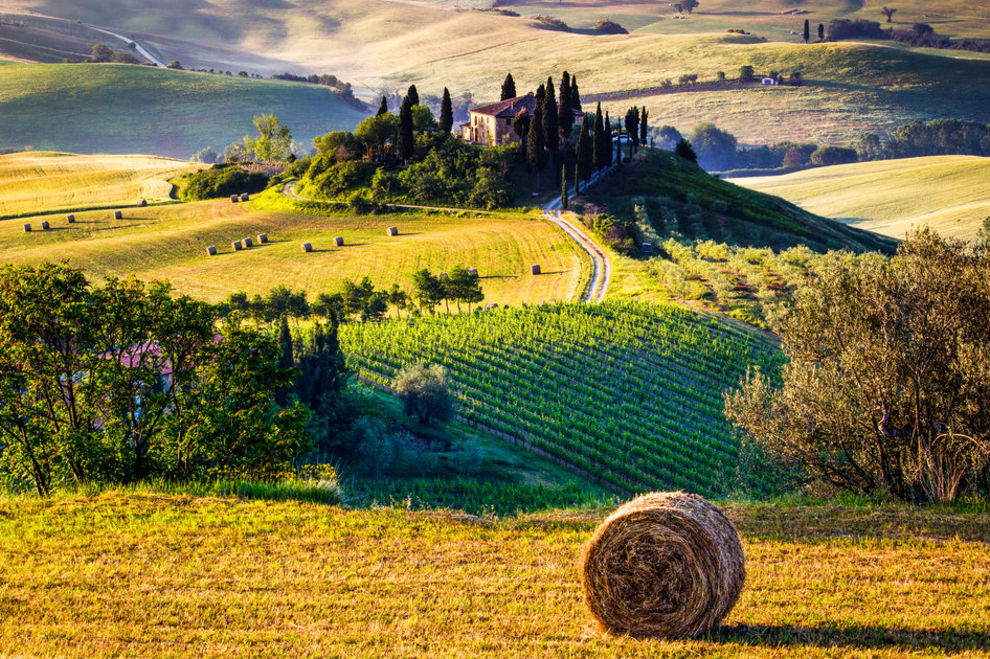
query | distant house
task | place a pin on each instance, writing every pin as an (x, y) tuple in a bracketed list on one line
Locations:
[(491, 125), (770, 81)]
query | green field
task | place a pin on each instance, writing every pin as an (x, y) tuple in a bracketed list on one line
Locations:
[(629, 393), (30, 182), (948, 193), (116, 108), (151, 575), (169, 242)]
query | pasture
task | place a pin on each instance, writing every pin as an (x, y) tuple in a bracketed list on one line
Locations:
[(169, 242), (949, 193), (151, 575), (55, 181)]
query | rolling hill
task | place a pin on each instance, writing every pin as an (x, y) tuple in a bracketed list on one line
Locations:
[(116, 108), (949, 193), (30, 182)]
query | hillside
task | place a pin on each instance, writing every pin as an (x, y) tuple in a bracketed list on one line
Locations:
[(54, 181), (110, 108), (170, 242), (152, 575), (948, 193)]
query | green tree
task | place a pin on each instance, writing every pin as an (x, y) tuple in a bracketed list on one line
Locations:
[(807, 31), (575, 94), (551, 126), (565, 109), (383, 108), (716, 148), (888, 13), (536, 156), (427, 289), (274, 141), (886, 384), (424, 391), (632, 129), (174, 64), (508, 88), (601, 142), (520, 124), (821, 32), (102, 53), (585, 153), (464, 287), (563, 187), (689, 5), (644, 127), (412, 95), (686, 151), (446, 113), (406, 140), (746, 73)]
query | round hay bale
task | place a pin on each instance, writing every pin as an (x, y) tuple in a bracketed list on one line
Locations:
[(72, 219), (236, 245), (118, 215), (666, 564), (27, 228), (338, 241), (245, 197), (535, 269), (307, 248), (45, 226), (473, 271), (211, 251), (392, 231), (248, 242), (143, 203), (262, 238), (234, 198)]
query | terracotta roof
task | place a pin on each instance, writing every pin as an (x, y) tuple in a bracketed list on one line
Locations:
[(508, 108)]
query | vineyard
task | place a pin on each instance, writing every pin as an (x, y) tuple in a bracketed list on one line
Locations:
[(629, 394)]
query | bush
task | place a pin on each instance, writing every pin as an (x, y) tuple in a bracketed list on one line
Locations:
[(551, 22), (222, 180), (605, 26), (425, 392), (833, 155), (343, 177)]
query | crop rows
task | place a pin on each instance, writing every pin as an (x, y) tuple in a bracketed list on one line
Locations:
[(628, 392)]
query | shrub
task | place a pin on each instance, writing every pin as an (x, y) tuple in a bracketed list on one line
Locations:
[(222, 180), (343, 177), (551, 22), (425, 393), (833, 155), (605, 26)]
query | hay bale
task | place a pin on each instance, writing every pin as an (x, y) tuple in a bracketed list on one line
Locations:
[(307, 248), (338, 241), (27, 228), (248, 242), (237, 245), (72, 219), (143, 203), (392, 231), (473, 271), (535, 269), (666, 564), (234, 199), (262, 238), (245, 197), (45, 226), (211, 251), (118, 215)]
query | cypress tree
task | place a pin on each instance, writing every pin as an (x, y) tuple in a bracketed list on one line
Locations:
[(412, 95), (285, 360), (598, 143), (618, 146), (607, 142), (632, 128), (575, 95), (446, 113), (585, 151), (383, 108), (406, 139), (821, 32), (508, 88), (644, 128), (551, 126), (807, 31), (565, 112), (520, 124), (536, 156)]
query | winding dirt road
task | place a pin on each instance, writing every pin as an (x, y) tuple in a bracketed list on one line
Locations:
[(138, 47)]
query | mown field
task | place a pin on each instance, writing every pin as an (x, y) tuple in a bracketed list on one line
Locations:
[(54, 181), (628, 393), (169, 242), (147, 575), (116, 108), (949, 193)]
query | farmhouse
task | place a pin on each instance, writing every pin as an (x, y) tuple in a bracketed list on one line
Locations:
[(491, 125)]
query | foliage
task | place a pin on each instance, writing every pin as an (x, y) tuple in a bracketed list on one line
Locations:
[(551, 22), (833, 155), (605, 26), (222, 180), (128, 383), (716, 148), (274, 141), (685, 151), (425, 392), (889, 373), (934, 138), (843, 28)]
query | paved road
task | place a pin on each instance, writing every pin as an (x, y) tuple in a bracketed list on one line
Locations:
[(138, 47)]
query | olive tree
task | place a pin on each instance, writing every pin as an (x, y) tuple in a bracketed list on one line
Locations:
[(887, 384), (425, 392)]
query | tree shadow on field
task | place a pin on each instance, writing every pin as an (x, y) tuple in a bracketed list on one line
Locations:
[(856, 637)]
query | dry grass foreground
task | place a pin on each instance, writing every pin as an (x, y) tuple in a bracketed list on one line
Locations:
[(169, 242), (156, 576), (54, 181), (949, 193)]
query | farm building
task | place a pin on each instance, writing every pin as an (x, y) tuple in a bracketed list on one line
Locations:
[(491, 125), (770, 81)]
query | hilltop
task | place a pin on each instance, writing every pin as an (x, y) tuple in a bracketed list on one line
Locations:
[(948, 193), (120, 109)]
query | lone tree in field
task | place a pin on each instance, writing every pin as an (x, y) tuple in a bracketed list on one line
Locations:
[(446, 113), (102, 53), (688, 5), (821, 32), (274, 141), (887, 384), (807, 31), (508, 88), (889, 13), (425, 393)]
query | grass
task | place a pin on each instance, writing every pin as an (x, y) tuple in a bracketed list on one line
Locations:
[(169, 242), (889, 197), (115, 108), (53, 181), (152, 575)]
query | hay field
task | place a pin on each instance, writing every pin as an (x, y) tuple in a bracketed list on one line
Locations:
[(949, 193), (146, 575), (116, 108), (32, 182), (169, 242)]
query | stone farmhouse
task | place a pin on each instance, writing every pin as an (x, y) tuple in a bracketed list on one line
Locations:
[(491, 125)]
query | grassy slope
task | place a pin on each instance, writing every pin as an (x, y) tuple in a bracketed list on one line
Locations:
[(170, 242), (51, 181), (948, 193), (159, 576), (130, 109)]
